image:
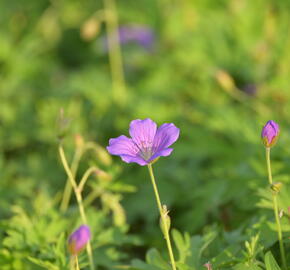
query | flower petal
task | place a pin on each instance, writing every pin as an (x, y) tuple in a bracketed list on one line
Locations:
[(135, 159), (143, 132), (122, 145), (164, 153), (166, 135)]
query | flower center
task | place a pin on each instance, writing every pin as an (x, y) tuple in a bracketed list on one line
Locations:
[(146, 149), (146, 153)]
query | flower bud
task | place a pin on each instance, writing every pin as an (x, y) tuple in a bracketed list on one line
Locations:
[(79, 141), (102, 175), (90, 29), (103, 155), (78, 239), (225, 80), (270, 133)]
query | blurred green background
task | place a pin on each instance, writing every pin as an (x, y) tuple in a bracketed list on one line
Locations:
[(217, 69)]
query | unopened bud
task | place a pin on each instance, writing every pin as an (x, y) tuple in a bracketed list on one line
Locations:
[(79, 239), (225, 80), (270, 133), (103, 156), (102, 175), (79, 141), (90, 29)]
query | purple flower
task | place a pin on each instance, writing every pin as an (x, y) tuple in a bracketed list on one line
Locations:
[(78, 239), (136, 33), (147, 142), (142, 35), (270, 133)]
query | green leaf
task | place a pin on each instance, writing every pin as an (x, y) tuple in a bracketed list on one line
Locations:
[(182, 244), (140, 265), (45, 264), (270, 262), (227, 257), (196, 245), (242, 266), (182, 266), (153, 257)]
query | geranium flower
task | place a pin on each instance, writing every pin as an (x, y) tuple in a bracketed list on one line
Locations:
[(78, 239), (147, 142), (139, 34)]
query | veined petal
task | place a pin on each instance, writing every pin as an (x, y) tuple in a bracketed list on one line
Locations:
[(136, 159), (143, 132), (166, 135), (164, 153), (122, 145)]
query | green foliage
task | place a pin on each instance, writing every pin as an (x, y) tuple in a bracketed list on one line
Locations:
[(270, 262), (217, 69)]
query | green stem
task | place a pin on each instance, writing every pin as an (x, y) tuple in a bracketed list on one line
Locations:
[(115, 56), (85, 177), (77, 263), (276, 211), (72, 263), (163, 218), (68, 187), (74, 166), (79, 200)]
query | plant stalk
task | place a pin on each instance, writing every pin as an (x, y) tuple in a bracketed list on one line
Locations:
[(85, 177), (163, 219), (114, 50), (79, 200), (68, 187), (276, 211), (77, 263)]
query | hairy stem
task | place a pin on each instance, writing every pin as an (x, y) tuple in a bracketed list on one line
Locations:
[(163, 218), (276, 211)]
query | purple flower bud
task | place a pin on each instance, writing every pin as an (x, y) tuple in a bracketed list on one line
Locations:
[(270, 133), (78, 239)]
